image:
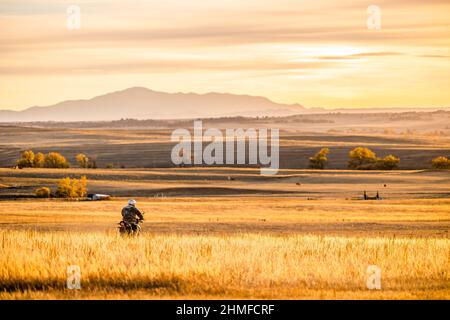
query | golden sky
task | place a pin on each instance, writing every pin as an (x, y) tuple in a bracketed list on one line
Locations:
[(317, 53)]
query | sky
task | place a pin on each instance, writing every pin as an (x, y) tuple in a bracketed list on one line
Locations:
[(329, 54)]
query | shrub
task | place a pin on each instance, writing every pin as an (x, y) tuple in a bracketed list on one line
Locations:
[(39, 159), (92, 164), (81, 187), (109, 166), (362, 158), (440, 163), (366, 159), (43, 192), (55, 160), (72, 188), (82, 160), (51, 160), (26, 160), (319, 160), (389, 162)]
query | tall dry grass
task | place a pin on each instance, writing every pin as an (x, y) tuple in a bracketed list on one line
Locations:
[(246, 265)]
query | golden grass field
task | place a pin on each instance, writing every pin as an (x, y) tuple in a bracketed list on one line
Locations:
[(33, 265), (257, 238), (221, 232)]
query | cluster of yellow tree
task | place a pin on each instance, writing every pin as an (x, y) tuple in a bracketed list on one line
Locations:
[(359, 158), (50, 160), (85, 162), (441, 163), (29, 159), (67, 188), (365, 159)]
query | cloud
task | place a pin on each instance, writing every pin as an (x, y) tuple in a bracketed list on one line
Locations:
[(361, 55), (433, 56), (288, 46), (168, 65)]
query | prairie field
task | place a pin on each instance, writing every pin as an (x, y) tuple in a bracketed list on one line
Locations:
[(228, 232), (277, 149), (33, 265), (303, 234)]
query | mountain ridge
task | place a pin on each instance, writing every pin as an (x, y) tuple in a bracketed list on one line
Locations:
[(143, 103)]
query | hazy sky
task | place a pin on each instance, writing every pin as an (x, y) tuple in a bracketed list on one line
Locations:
[(317, 53)]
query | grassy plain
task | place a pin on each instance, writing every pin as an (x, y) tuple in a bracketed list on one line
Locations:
[(34, 264), (230, 232), (301, 235)]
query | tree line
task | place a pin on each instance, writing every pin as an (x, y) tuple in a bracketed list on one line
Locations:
[(360, 158), (365, 159), (28, 159)]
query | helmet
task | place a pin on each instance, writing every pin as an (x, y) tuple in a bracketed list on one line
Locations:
[(132, 202)]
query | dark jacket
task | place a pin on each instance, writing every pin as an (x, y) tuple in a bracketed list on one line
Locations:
[(131, 214)]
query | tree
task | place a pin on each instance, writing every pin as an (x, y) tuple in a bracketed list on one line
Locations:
[(389, 162), (366, 159), (72, 188), (362, 158), (320, 159), (440, 163), (92, 164), (82, 160), (26, 160), (64, 189), (55, 160), (43, 192), (82, 189), (39, 160), (79, 187), (51, 160)]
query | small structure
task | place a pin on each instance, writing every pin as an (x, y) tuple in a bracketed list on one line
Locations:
[(377, 197), (98, 197)]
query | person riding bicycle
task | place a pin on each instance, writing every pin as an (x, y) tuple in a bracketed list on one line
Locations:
[(131, 215)]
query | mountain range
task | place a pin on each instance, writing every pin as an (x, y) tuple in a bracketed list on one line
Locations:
[(143, 103)]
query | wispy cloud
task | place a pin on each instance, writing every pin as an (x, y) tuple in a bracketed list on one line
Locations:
[(317, 53)]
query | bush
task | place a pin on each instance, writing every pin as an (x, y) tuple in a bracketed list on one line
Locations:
[(51, 160), (362, 158), (366, 159), (389, 162), (55, 160), (26, 160), (82, 160), (86, 162), (39, 159), (109, 166), (440, 163), (72, 188), (92, 164), (43, 192), (319, 160)]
